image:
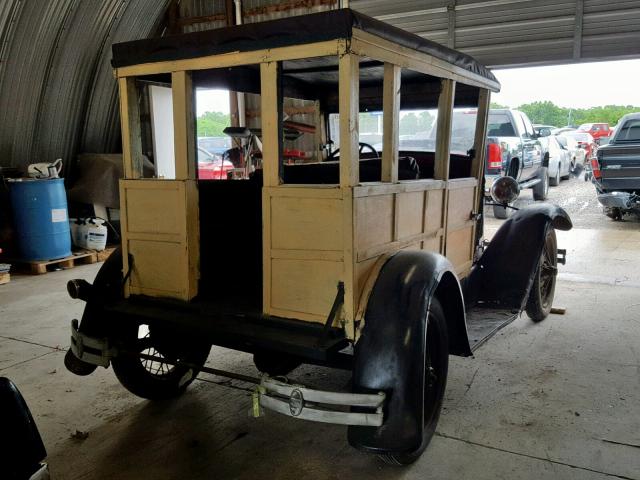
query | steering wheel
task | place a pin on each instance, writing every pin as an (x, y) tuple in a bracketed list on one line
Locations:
[(336, 152)]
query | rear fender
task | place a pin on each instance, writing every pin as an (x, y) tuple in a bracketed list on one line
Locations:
[(389, 356), (504, 274)]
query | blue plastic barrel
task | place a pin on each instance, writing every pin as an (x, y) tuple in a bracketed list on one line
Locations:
[(40, 218)]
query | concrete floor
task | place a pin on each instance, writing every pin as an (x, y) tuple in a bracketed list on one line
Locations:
[(555, 400)]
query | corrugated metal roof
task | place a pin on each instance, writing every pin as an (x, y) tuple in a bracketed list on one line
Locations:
[(58, 95)]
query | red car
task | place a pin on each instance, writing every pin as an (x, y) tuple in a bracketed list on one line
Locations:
[(596, 130), (212, 167)]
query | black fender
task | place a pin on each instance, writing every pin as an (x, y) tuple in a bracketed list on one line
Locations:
[(22, 447), (389, 355), (504, 273), (107, 287)]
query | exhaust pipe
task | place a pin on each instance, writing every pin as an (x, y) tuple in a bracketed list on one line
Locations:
[(79, 289)]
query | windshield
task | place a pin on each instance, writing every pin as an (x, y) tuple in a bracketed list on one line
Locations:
[(630, 131), (417, 130), (585, 126)]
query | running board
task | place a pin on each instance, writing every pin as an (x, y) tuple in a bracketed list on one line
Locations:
[(484, 322), (530, 183)]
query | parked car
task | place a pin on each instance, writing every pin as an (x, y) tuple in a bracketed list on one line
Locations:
[(514, 150), (576, 153), (332, 263), (616, 170), (558, 131), (212, 167), (585, 141), (215, 145), (559, 161), (596, 130)]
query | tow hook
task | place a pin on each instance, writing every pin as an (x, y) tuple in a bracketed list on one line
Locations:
[(79, 289), (562, 256)]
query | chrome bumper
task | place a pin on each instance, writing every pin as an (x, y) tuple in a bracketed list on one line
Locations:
[(95, 351), (318, 406)]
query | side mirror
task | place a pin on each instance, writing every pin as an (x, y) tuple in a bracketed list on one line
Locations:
[(544, 132)]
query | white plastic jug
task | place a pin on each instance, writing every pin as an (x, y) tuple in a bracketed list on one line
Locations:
[(45, 170), (89, 233)]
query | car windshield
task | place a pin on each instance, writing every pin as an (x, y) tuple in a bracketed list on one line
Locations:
[(417, 130), (630, 131), (585, 126)]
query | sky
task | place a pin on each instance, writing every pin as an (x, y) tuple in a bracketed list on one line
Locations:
[(580, 85)]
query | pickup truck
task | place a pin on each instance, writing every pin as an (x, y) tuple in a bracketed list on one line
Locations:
[(514, 150), (616, 170)]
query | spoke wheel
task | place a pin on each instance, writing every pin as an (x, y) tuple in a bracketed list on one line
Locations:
[(435, 383), (544, 284), (155, 379)]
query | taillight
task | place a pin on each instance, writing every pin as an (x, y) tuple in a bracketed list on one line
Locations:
[(495, 157), (595, 168)]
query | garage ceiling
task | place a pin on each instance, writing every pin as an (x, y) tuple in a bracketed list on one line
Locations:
[(510, 33), (58, 96)]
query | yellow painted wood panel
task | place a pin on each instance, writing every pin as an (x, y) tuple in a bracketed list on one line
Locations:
[(433, 219), (305, 286), (410, 213), (461, 203), (459, 244), (160, 230), (155, 210), (152, 276), (374, 221), (306, 223)]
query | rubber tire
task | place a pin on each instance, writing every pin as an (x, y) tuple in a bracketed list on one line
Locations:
[(139, 381), (541, 190), (275, 364), (501, 212), (539, 304), (613, 213), (438, 343), (555, 181)]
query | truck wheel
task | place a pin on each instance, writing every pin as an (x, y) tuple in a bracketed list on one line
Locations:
[(541, 190), (613, 213), (157, 380), (544, 283), (555, 181), (501, 212), (435, 382)]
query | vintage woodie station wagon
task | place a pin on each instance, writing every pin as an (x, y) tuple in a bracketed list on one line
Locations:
[(367, 258)]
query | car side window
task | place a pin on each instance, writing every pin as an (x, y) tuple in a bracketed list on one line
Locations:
[(521, 125), (528, 127)]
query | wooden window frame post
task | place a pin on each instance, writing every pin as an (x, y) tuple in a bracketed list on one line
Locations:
[(271, 122), (390, 122), (130, 126), (184, 137), (349, 105), (443, 132)]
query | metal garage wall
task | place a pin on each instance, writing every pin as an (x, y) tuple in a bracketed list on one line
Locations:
[(507, 33), (55, 75)]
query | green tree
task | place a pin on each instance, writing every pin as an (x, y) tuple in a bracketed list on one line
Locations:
[(546, 113), (409, 124), (498, 105), (211, 124), (425, 121)]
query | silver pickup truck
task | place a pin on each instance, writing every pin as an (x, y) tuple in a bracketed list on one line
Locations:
[(616, 171), (514, 150)]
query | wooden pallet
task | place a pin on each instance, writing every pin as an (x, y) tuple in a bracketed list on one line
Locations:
[(38, 267), (104, 254)]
